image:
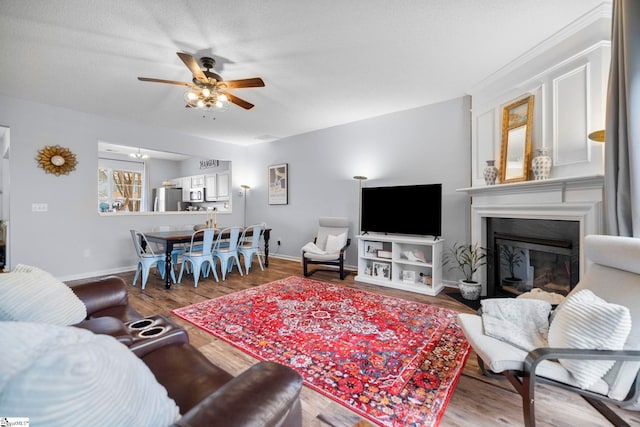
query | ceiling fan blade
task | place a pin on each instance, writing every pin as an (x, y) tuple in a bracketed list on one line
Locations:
[(171, 82), (193, 66), (238, 101), (238, 84)]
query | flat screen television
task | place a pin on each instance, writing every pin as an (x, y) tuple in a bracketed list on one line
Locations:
[(406, 209)]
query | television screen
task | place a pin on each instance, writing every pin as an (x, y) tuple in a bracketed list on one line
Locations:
[(401, 209)]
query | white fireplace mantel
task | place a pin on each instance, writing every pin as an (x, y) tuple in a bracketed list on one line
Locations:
[(566, 199)]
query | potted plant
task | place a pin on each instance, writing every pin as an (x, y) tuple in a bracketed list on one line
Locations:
[(512, 258), (467, 258)]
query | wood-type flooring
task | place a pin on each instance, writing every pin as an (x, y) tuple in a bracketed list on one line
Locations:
[(477, 400)]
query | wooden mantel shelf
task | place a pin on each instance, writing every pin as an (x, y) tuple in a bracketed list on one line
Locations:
[(551, 185)]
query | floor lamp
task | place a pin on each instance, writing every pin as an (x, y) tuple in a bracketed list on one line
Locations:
[(360, 178), (245, 187)]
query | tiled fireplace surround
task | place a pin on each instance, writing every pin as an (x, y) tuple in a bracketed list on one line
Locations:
[(565, 199)]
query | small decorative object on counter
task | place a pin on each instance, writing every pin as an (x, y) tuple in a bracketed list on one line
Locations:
[(541, 164), (490, 172)]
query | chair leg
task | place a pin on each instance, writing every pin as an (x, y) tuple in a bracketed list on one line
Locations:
[(196, 273), (237, 261), (135, 278), (212, 267), (182, 268), (305, 266), (528, 401), (223, 268), (606, 412), (145, 276), (259, 261), (248, 259)]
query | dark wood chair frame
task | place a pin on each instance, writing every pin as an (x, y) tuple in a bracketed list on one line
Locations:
[(337, 263), (525, 381)]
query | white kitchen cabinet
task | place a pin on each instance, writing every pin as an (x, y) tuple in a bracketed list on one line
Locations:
[(223, 185), (217, 187), (210, 188), (186, 188), (197, 181)]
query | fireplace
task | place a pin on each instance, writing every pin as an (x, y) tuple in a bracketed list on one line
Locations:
[(565, 204), (532, 253)]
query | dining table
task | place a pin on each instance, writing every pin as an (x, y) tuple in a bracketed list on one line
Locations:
[(169, 239)]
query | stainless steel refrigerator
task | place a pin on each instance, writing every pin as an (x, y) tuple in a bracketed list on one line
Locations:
[(166, 199)]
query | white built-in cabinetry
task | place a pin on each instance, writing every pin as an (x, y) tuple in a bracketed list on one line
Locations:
[(567, 75), (402, 262), (217, 187), (223, 185)]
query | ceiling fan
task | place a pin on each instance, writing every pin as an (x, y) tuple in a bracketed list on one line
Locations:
[(208, 90)]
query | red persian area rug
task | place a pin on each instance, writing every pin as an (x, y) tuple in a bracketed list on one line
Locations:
[(393, 361)]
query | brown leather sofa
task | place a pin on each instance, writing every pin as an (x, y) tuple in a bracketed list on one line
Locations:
[(267, 394)]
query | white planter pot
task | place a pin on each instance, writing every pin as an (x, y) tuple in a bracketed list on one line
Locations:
[(470, 290)]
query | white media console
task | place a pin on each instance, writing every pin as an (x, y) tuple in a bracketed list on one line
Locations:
[(403, 262)]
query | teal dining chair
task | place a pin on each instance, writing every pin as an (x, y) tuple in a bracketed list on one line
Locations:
[(250, 245), (178, 249), (147, 258), (199, 255), (226, 250)]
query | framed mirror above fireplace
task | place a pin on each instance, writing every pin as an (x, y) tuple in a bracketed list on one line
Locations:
[(517, 122)]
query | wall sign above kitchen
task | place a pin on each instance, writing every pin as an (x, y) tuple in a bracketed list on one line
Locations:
[(206, 164)]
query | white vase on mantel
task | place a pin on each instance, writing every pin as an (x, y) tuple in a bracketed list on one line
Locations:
[(490, 173), (541, 164)]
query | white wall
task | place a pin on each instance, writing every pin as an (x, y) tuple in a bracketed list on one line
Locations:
[(72, 240), (424, 145), (419, 146)]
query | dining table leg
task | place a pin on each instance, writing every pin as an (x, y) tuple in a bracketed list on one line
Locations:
[(266, 236), (168, 266)]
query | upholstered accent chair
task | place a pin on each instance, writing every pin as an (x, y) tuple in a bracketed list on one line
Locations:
[(328, 247), (593, 336)]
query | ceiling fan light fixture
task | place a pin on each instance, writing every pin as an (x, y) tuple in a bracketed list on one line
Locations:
[(139, 155), (205, 88)]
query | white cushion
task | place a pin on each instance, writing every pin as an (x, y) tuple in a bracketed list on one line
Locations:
[(33, 295), (335, 243), (313, 248), (587, 321), (63, 376), (500, 356)]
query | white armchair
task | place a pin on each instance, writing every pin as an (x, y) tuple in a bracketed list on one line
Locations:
[(328, 247), (613, 276)]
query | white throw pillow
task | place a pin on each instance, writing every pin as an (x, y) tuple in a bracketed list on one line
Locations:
[(29, 294), (335, 243), (64, 376), (587, 321)]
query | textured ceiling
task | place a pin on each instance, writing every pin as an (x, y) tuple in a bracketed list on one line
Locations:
[(324, 63)]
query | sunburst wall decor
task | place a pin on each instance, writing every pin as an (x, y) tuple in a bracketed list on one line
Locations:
[(56, 160)]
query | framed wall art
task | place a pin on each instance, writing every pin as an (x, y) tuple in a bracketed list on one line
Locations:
[(279, 184)]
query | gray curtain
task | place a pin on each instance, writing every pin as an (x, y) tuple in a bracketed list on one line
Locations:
[(622, 136)]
